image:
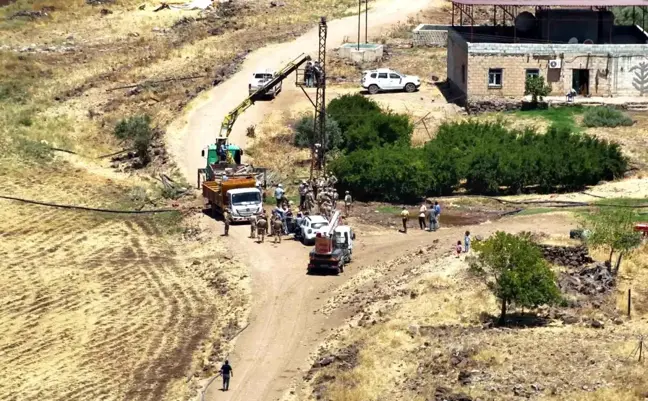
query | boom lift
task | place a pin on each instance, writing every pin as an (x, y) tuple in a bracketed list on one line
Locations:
[(234, 153), (333, 249)]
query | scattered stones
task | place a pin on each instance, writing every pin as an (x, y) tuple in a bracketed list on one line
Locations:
[(566, 255), (29, 14), (274, 3), (592, 280), (445, 394), (105, 11), (99, 2), (597, 324), (465, 377)]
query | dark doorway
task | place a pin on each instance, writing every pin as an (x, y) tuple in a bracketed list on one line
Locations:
[(580, 82)]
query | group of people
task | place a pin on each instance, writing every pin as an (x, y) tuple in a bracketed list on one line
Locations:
[(321, 192), (313, 74), (428, 217)]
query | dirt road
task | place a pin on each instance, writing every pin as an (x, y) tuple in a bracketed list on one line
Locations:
[(199, 128), (284, 328)]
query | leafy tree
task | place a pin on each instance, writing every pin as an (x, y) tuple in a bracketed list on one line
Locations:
[(389, 173), (612, 228), (137, 131), (304, 133), (516, 271), (351, 110), (535, 86), (377, 130)]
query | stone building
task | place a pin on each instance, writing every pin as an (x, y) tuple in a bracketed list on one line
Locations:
[(579, 47)]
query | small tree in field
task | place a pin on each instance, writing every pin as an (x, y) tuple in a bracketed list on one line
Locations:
[(137, 131), (515, 271), (535, 86), (612, 228)]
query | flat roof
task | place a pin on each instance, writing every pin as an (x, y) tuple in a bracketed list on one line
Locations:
[(553, 3)]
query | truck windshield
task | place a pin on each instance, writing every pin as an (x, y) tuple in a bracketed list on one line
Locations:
[(246, 197), (318, 225), (262, 76)]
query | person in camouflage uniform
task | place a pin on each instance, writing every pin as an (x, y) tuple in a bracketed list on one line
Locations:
[(227, 219), (277, 228), (262, 226), (253, 225)]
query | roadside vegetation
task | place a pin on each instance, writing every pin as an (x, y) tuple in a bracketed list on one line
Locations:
[(606, 116)]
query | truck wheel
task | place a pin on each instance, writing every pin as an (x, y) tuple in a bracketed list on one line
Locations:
[(373, 89), (409, 88), (341, 267)]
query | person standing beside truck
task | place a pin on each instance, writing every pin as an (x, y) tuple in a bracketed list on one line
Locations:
[(227, 219), (262, 225), (279, 193), (277, 228), (253, 225)]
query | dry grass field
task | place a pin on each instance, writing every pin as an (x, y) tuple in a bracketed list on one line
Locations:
[(423, 330)]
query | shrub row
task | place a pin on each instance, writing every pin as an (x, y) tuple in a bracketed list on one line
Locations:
[(378, 163)]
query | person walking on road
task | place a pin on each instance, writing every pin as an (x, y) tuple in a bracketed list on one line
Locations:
[(437, 215), (421, 217), (405, 216), (227, 372), (279, 194), (227, 219), (348, 201)]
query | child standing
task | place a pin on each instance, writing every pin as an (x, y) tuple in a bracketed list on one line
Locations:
[(467, 242), (458, 248)]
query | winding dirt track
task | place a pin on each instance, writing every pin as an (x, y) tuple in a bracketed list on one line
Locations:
[(284, 329)]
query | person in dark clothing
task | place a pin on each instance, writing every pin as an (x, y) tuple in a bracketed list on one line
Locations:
[(308, 75), (227, 372)]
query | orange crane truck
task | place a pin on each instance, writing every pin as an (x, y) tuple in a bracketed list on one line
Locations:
[(240, 192)]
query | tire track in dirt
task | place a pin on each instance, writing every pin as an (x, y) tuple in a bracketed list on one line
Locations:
[(94, 307)]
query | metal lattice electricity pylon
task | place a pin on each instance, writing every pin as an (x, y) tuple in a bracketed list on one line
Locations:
[(319, 129)]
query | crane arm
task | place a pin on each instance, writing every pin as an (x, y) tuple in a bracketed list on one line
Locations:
[(230, 119)]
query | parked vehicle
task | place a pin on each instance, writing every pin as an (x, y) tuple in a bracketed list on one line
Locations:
[(239, 192), (310, 227), (333, 248), (260, 79), (384, 79)]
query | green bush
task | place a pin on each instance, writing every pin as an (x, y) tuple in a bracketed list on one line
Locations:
[(389, 173), (351, 110), (136, 131), (304, 133), (535, 86), (606, 116), (379, 129)]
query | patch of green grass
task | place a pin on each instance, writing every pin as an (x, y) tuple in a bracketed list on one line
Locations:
[(560, 117), (388, 209), (623, 201), (536, 210)]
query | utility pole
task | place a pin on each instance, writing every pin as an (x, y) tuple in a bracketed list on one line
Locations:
[(359, 14), (319, 129), (366, 21)]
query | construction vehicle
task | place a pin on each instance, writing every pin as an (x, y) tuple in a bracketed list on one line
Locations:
[(222, 151), (333, 248), (238, 190)]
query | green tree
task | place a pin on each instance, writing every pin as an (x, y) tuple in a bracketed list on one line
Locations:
[(535, 86), (136, 131), (612, 228), (377, 130), (304, 133), (351, 110), (515, 271)]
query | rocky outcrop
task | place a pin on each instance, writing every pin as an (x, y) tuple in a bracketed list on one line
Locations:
[(569, 256)]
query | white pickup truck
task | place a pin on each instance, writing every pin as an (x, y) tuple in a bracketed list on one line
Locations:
[(260, 78)]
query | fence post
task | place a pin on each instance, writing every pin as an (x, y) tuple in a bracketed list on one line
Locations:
[(629, 300)]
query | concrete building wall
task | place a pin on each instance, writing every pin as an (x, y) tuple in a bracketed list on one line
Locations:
[(614, 70), (458, 61)]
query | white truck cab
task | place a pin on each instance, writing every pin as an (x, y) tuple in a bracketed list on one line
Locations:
[(244, 202), (260, 78), (344, 234)]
